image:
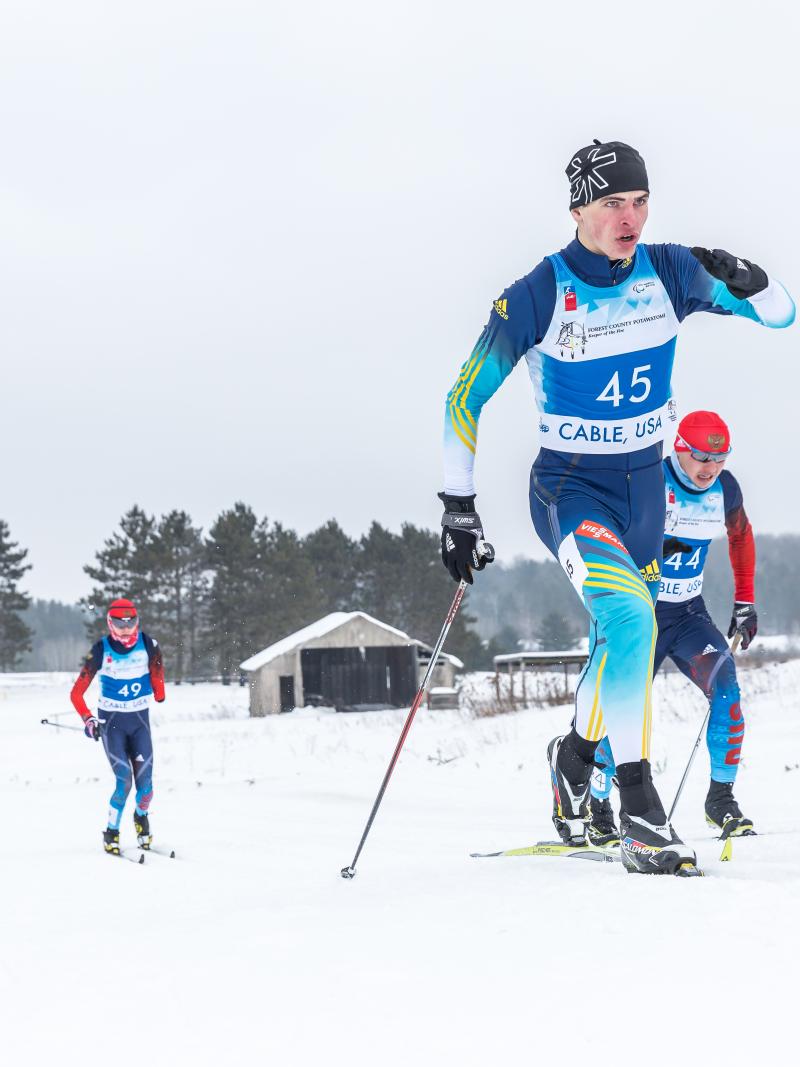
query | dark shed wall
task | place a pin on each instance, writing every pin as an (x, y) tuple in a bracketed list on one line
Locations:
[(347, 676)]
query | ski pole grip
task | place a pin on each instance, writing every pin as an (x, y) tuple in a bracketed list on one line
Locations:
[(486, 550)]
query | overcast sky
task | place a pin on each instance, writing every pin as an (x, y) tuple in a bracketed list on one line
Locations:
[(245, 247)]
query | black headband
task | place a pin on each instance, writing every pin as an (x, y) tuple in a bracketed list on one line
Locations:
[(602, 169)]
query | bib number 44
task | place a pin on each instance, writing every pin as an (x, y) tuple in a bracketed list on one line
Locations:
[(639, 388), (677, 560)]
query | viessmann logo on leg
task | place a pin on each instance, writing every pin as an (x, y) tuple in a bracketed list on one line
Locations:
[(599, 533)]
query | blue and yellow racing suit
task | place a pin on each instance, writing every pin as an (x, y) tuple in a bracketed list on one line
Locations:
[(599, 341)]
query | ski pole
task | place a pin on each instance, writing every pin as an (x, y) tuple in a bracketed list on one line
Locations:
[(486, 550), (60, 725), (728, 652)]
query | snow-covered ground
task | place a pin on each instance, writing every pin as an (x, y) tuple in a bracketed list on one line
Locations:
[(250, 949)]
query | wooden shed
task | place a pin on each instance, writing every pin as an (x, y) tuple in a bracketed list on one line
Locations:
[(346, 660)]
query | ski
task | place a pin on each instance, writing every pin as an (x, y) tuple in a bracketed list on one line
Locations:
[(688, 870), (555, 848), (732, 828), (156, 850), (123, 854)]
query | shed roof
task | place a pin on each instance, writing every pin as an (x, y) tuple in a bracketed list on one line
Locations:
[(320, 628), (444, 657), (569, 655)]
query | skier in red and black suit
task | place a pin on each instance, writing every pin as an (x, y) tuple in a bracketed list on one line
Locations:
[(130, 669), (703, 500)]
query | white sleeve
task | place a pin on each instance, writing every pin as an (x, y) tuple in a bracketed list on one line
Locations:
[(773, 305)]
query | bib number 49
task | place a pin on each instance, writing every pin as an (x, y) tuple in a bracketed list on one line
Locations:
[(613, 391), (132, 690)]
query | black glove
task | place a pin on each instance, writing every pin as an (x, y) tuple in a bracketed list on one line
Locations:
[(742, 277), (91, 727), (461, 533), (673, 545), (745, 622)]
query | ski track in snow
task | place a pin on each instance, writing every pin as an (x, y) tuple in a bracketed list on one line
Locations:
[(251, 946)]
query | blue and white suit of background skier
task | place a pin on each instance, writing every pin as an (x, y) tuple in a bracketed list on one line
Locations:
[(597, 325)]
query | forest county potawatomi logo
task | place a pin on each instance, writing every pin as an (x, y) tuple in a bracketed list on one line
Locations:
[(571, 336)]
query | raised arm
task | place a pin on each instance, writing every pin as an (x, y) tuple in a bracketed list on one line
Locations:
[(700, 279)]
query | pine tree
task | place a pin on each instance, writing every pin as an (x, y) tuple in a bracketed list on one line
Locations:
[(426, 593), (380, 568), (287, 591), (125, 568), (234, 547), (334, 558), (556, 633), (15, 636), (402, 582), (180, 584)]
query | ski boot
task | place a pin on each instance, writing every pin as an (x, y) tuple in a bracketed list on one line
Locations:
[(723, 813), (570, 802), (141, 825), (649, 845), (603, 832), (111, 841)]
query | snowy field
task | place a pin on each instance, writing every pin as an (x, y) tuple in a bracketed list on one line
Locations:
[(250, 949)]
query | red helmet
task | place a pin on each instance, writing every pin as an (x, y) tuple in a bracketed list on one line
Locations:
[(704, 432), (123, 622)]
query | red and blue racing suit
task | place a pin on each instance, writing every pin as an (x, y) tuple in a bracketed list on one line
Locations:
[(686, 631), (129, 678)]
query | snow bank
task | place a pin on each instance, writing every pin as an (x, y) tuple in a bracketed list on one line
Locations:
[(250, 948)]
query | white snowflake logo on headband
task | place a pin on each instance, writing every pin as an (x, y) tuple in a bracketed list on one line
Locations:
[(586, 180)]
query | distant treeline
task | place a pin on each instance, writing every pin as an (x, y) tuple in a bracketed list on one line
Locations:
[(511, 602), (214, 598), (58, 636)]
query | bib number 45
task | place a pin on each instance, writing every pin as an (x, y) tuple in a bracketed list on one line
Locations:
[(639, 388)]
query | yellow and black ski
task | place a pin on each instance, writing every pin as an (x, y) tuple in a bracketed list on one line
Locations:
[(555, 848), (733, 827)]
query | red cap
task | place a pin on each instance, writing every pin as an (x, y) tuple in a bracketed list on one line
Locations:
[(122, 609), (703, 430), (117, 611)]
